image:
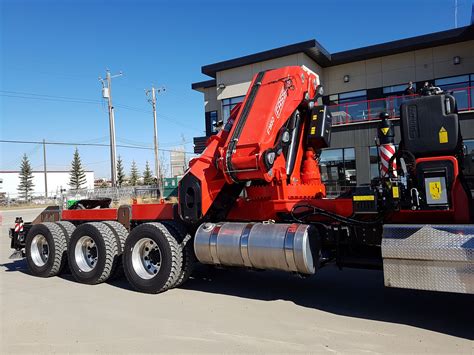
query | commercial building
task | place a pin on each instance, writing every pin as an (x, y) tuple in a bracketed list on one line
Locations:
[(57, 181), (359, 84)]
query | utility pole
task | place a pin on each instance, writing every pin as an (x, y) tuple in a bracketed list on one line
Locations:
[(45, 170), (455, 13), (185, 165), (151, 95), (107, 94)]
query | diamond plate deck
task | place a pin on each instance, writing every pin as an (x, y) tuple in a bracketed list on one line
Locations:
[(429, 257)]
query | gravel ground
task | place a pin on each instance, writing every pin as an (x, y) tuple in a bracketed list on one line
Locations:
[(227, 311)]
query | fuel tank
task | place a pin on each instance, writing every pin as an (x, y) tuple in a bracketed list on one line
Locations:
[(287, 247)]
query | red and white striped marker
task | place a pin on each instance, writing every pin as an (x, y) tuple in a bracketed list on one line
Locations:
[(386, 151), (19, 227)]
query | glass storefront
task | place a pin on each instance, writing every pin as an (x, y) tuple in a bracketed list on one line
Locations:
[(374, 162), (459, 87), (350, 107), (469, 162), (354, 107), (338, 169)]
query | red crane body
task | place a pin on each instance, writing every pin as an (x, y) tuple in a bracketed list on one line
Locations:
[(255, 198)]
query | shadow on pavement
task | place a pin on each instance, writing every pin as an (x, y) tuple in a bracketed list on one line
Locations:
[(351, 292), (16, 265)]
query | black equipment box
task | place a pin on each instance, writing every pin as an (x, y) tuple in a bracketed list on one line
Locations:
[(364, 200), (430, 126), (319, 131)]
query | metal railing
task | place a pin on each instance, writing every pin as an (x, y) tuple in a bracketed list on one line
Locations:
[(362, 111)]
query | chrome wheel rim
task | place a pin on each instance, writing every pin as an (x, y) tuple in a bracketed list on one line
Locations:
[(39, 250), (146, 258), (85, 254)]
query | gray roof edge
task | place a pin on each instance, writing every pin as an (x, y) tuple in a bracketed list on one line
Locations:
[(299, 47), (320, 55), (204, 84)]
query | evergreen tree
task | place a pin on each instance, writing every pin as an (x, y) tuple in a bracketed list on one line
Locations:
[(26, 179), (147, 175), (120, 172), (77, 175), (134, 175)]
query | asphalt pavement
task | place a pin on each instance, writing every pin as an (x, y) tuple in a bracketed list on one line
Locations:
[(219, 310)]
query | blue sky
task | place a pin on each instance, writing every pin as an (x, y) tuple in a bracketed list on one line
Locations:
[(60, 48)]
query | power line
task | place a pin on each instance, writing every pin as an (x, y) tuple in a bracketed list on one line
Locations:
[(51, 96), (54, 98), (50, 99), (87, 144)]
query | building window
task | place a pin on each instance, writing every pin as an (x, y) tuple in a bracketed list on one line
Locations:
[(396, 90), (228, 105), (338, 169), (213, 120), (471, 89), (459, 87), (469, 163), (351, 107), (374, 162)]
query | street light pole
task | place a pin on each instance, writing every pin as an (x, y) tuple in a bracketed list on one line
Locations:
[(107, 94), (45, 170), (152, 100)]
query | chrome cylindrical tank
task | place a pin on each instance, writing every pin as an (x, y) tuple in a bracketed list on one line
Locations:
[(257, 245)]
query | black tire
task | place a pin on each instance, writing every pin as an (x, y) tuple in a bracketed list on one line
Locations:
[(38, 263), (180, 233), (170, 259), (67, 227), (121, 234), (106, 251)]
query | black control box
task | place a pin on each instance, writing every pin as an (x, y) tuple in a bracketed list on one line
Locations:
[(364, 200), (319, 131)]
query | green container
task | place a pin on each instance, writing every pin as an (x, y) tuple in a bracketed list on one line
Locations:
[(70, 203), (170, 187)]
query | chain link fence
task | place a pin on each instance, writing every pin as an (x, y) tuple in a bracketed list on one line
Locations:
[(118, 195)]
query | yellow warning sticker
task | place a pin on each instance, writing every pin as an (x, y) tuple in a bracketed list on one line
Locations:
[(313, 130), (395, 192), (315, 117), (443, 135), (435, 190), (384, 130), (364, 198)]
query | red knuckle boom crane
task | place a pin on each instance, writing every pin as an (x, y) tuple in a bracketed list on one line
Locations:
[(255, 199)]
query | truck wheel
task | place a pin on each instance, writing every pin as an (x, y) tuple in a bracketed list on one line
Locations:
[(67, 227), (152, 258), (92, 253), (46, 249), (189, 258), (121, 234)]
